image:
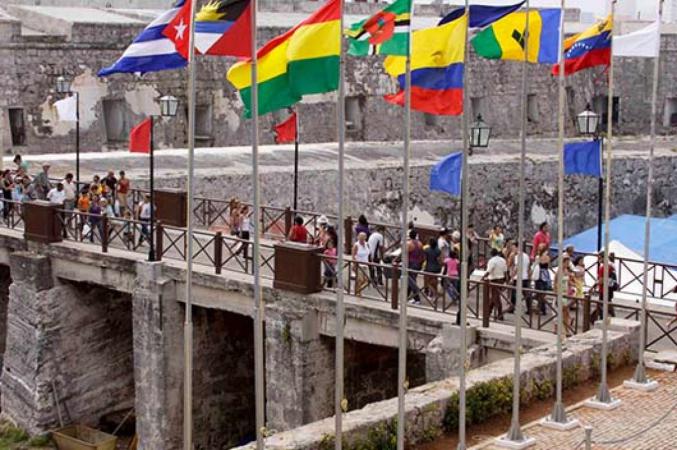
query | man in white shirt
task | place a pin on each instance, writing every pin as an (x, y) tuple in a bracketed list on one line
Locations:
[(524, 279), (144, 217), (69, 189), (443, 243), (495, 274), (56, 196), (375, 244)]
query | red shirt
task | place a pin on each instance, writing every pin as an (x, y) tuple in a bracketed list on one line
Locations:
[(540, 238), (600, 277), (298, 234)]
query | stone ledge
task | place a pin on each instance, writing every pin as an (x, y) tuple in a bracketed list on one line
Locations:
[(426, 405)]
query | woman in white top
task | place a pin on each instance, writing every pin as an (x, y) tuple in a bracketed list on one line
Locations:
[(361, 254)]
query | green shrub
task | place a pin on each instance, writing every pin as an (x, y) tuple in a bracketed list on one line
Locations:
[(483, 400)]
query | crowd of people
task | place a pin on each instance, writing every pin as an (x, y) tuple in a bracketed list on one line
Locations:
[(86, 202), (438, 260)]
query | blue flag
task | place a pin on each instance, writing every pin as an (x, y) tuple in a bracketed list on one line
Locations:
[(446, 174), (583, 158), (151, 51), (482, 15)]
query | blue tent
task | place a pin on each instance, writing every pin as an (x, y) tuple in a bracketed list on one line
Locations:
[(629, 231)]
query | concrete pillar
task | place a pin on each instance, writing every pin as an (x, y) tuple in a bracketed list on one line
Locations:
[(443, 354), (299, 370), (67, 344), (158, 359)]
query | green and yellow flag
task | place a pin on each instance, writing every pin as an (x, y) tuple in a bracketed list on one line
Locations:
[(304, 60), (385, 33)]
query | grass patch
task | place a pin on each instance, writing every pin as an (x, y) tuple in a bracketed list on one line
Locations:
[(14, 438)]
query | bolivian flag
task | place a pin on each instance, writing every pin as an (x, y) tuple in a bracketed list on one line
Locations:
[(505, 38), (304, 60)]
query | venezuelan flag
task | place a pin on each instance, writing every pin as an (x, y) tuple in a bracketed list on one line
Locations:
[(302, 61), (505, 38), (587, 49), (437, 69)]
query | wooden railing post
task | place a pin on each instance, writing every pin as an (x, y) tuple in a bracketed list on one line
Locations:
[(395, 287), (486, 305), (159, 232), (104, 233), (348, 230), (288, 220), (586, 312), (218, 251)]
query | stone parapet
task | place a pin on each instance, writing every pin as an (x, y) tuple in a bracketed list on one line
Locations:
[(427, 405)]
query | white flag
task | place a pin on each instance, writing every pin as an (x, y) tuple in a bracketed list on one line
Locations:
[(641, 43), (67, 109)]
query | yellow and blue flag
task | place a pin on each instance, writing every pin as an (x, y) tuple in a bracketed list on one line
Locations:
[(437, 69), (504, 39)]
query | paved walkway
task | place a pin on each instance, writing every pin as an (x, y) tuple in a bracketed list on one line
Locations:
[(638, 411)]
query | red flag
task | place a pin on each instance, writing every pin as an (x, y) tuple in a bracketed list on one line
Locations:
[(139, 137), (178, 30), (286, 131)]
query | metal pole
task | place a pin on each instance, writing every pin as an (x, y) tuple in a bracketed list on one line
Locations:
[(339, 400), (464, 245), (77, 138), (188, 322), (558, 413), (603, 394), (259, 305), (296, 163), (515, 432), (600, 205), (404, 280), (640, 372), (151, 252)]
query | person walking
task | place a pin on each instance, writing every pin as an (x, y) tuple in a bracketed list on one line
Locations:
[(41, 183), (451, 282), (612, 284), (124, 185), (542, 237), (360, 255), (443, 243), (542, 278), (495, 274), (433, 267), (7, 187), (110, 184), (245, 230), (95, 212), (519, 278), (496, 238), (144, 213), (362, 226), (56, 195), (329, 263), (416, 259), (70, 189), (376, 244)]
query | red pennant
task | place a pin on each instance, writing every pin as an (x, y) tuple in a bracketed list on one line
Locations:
[(285, 132), (178, 30), (139, 137)]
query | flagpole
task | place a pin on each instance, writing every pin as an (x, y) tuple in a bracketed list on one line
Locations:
[(603, 394), (259, 305), (151, 243), (515, 434), (340, 226), (404, 279), (640, 377), (296, 161), (188, 324), (558, 418), (464, 246)]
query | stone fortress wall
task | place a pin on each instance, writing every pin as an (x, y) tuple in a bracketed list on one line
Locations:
[(37, 44)]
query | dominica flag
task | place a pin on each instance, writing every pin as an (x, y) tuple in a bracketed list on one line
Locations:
[(385, 33), (302, 61), (504, 39)]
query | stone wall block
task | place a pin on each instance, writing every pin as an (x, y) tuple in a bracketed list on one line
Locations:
[(32, 270)]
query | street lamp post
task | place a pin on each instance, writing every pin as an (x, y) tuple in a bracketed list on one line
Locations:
[(479, 137), (587, 124), (63, 87), (168, 108)]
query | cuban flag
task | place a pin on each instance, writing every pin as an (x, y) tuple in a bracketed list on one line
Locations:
[(152, 50)]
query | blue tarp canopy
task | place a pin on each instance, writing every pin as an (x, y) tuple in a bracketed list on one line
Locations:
[(629, 231)]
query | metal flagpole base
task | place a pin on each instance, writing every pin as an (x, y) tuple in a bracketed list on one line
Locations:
[(558, 419), (506, 442), (646, 386), (595, 403)]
